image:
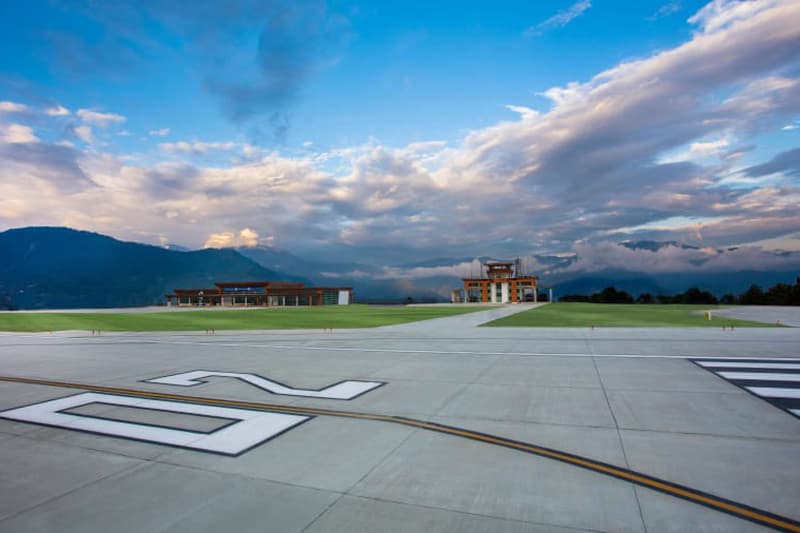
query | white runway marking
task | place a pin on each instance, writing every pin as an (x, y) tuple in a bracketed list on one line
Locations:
[(775, 392), (250, 429), (346, 390), (762, 378), (729, 364), (766, 376)]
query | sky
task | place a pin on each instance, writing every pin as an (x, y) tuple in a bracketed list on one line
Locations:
[(393, 132)]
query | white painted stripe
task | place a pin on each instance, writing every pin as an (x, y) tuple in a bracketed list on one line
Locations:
[(212, 344), (252, 427), (763, 376), (730, 364), (775, 392), (795, 411)]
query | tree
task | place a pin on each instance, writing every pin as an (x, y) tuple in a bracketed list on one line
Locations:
[(610, 295), (696, 296), (645, 298), (752, 296), (728, 299), (574, 298), (780, 294)]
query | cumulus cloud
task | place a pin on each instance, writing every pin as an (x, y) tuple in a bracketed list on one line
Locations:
[(247, 238), (197, 147), (17, 133), (163, 132), (57, 111), (12, 107), (560, 19), (84, 133), (98, 118)]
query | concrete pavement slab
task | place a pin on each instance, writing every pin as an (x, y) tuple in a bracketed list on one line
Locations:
[(598, 443), (34, 472), (351, 514), (757, 472), (453, 474), (665, 514), (555, 405), (659, 374), (457, 369), (485, 379), (148, 498), (257, 506), (326, 453), (403, 397), (542, 371), (700, 412)]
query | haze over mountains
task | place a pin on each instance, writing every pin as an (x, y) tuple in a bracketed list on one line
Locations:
[(53, 267)]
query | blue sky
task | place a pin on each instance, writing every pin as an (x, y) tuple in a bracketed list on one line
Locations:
[(396, 130)]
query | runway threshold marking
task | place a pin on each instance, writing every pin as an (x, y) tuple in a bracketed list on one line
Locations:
[(683, 492), (776, 381)]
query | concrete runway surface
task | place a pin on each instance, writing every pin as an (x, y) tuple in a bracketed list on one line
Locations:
[(433, 426)]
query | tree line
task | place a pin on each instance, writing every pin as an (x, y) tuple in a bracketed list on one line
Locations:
[(779, 294)]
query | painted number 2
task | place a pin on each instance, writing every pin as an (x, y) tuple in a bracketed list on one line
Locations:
[(344, 390)]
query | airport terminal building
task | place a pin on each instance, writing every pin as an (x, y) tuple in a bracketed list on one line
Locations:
[(503, 284), (260, 294)]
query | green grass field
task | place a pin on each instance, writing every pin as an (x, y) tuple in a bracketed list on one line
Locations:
[(333, 316), (620, 315)]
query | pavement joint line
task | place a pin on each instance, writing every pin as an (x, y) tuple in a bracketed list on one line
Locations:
[(479, 515), (461, 390), (132, 468), (348, 492), (619, 439), (686, 493)]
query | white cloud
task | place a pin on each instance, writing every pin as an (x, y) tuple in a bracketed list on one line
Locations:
[(100, 119), (666, 10), (790, 127), (163, 132), (12, 107), (560, 19), (57, 111), (84, 133), (720, 15), (709, 148), (197, 147), (17, 133), (525, 112), (247, 238)]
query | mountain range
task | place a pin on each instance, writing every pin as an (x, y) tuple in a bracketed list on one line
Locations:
[(54, 267), (51, 267)]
